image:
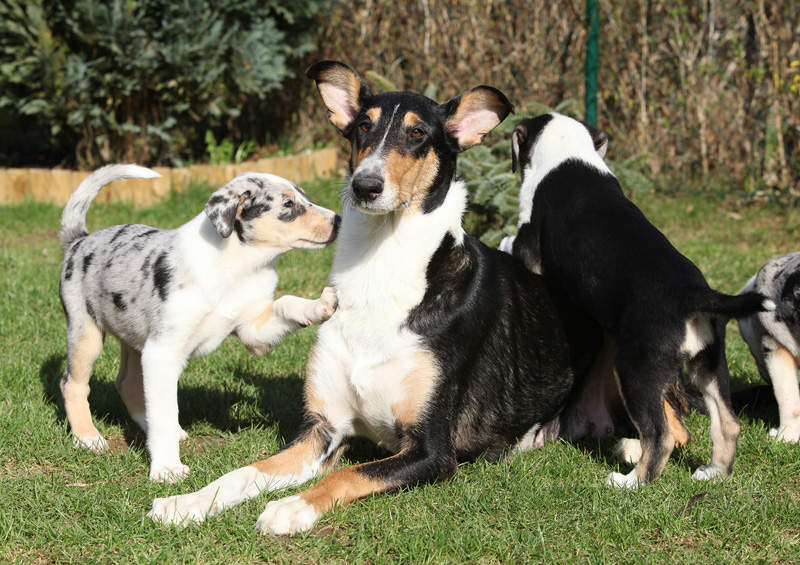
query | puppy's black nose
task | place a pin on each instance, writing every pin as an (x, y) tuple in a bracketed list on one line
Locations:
[(367, 188)]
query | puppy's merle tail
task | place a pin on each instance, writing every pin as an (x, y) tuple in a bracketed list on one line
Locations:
[(739, 306), (73, 219)]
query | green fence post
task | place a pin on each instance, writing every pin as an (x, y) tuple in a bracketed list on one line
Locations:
[(590, 76)]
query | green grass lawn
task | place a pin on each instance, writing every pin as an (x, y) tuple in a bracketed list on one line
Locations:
[(62, 504)]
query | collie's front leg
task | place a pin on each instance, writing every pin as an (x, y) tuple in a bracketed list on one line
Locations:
[(312, 453), (409, 468)]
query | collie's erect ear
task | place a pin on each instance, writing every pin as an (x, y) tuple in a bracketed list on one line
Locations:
[(225, 205), (518, 137), (341, 89), (599, 138), (475, 113)]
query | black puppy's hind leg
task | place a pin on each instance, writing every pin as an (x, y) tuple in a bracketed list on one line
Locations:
[(642, 386), (709, 372)]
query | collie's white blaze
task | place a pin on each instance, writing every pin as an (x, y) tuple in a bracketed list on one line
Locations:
[(561, 139)]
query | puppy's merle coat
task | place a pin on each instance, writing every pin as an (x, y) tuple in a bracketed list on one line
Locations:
[(441, 348), (173, 295), (593, 244), (774, 338)]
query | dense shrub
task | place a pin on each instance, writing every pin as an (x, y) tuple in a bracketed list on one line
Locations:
[(90, 81)]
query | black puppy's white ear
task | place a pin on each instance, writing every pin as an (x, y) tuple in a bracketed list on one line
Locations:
[(518, 137), (225, 205), (599, 138), (341, 89), (475, 113)]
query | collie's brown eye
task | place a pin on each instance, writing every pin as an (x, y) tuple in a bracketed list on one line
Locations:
[(416, 133), (365, 127)]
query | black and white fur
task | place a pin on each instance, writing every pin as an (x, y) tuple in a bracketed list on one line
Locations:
[(174, 295), (774, 338), (577, 228), (441, 350)]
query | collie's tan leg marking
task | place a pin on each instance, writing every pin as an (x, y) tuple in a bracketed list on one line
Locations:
[(782, 368), (417, 384), (299, 513), (81, 355), (679, 431), (724, 432)]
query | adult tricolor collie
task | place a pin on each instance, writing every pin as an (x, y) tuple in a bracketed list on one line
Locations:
[(441, 349)]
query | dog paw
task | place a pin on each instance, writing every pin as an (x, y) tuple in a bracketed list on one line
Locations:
[(182, 435), (95, 443), (325, 306), (168, 473), (181, 510), (788, 434), (287, 516), (628, 451), (708, 472), (618, 480)]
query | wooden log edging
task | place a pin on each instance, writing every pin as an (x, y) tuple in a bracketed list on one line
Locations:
[(55, 185)]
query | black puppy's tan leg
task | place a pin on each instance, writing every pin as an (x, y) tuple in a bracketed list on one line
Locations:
[(84, 344), (709, 371), (410, 467)]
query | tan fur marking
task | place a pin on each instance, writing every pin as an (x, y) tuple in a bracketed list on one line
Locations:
[(418, 385), (314, 403), (130, 381), (291, 460), (374, 114), (342, 487), (411, 178), (75, 385), (362, 154), (786, 357), (471, 101), (264, 316), (312, 226), (676, 427), (410, 119)]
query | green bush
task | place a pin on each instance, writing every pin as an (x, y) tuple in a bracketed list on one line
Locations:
[(88, 81)]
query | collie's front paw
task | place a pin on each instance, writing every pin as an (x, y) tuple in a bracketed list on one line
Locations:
[(287, 516), (181, 510), (618, 480), (788, 434), (168, 473), (708, 472)]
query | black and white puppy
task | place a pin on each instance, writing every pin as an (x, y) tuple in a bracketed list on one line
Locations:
[(174, 295), (774, 338), (441, 350), (577, 228)]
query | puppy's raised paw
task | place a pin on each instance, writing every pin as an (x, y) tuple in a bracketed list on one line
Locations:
[(325, 306), (287, 516)]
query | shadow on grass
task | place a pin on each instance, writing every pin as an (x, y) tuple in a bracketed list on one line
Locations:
[(279, 401)]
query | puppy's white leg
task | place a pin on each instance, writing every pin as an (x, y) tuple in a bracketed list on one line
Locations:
[(782, 368), (161, 367)]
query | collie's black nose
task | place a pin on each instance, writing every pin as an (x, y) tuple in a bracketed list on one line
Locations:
[(367, 188)]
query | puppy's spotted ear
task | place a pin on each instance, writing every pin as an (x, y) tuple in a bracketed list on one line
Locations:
[(342, 91), (225, 206), (518, 137), (475, 113), (599, 138)]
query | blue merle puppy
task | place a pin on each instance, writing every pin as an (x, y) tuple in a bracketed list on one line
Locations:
[(173, 295)]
